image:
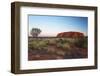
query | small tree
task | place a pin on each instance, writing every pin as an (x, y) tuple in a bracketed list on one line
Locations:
[(35, 32)]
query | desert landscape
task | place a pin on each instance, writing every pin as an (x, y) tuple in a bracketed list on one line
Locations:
[(53, 37), (66, 45)]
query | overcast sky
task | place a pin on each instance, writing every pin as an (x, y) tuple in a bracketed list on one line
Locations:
[(52, 25)]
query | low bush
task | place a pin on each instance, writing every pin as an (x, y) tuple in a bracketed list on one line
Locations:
[(81, 42)]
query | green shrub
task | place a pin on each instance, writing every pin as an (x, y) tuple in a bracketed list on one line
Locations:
[(52, 42), (81, 42), (33, 45), (38, 44), (42, 43), (66, 46)]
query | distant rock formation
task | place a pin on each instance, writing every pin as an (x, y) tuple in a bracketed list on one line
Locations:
[(70, 34)]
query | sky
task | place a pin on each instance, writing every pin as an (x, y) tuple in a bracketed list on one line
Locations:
[(52, 25)]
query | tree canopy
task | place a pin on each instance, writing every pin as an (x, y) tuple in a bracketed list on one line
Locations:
[(35, 32)]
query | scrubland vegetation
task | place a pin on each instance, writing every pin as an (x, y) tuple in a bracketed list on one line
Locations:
[(57, 48)]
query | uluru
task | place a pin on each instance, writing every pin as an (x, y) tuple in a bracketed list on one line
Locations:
[(71, 34)]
